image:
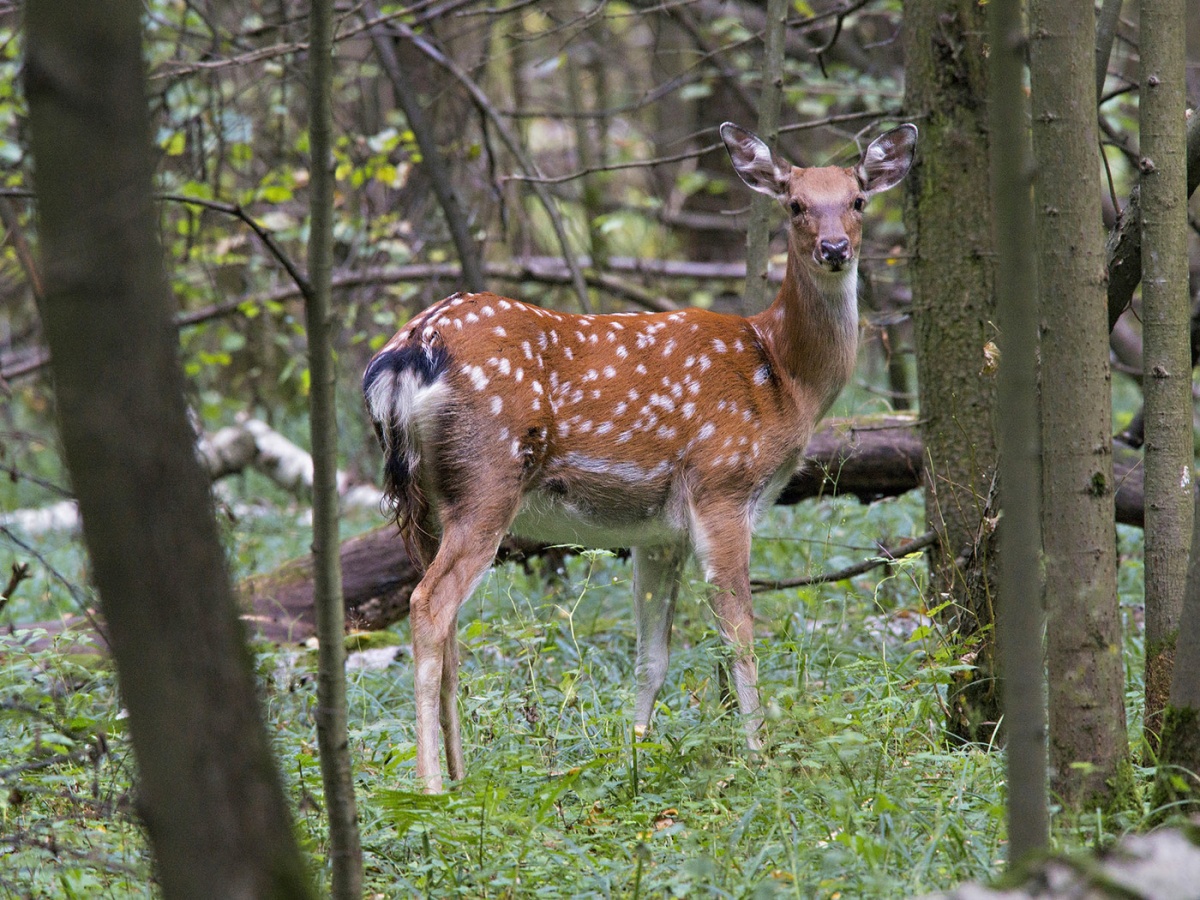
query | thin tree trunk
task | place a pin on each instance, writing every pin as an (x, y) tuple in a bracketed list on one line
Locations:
[(208, 788), (431, 153), (1106, 31), (1166, 348), (345, 851), (589, 153), (1020, 621), (1177, 781), (1125, 241), (1088, 745), (763, 211), (948, 217)]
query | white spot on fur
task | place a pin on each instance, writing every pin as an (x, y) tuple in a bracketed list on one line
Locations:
[(499, 332), (475, 373), (497, 405)]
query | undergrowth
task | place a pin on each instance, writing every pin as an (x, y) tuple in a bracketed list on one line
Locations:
[(857, 795)]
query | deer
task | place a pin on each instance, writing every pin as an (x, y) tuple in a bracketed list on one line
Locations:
[(666, 433)]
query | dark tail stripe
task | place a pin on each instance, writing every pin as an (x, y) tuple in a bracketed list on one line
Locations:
[(427, 359)]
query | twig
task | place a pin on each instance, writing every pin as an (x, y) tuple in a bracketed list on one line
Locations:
[(514, 147), (236, 210), (72, 589), (20, 572), (708, 148), (886, 556), (431, 154)]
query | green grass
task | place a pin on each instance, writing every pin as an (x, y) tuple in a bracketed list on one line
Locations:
[(857, 797)]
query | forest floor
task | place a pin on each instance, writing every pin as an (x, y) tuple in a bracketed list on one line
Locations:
[(859, 795)]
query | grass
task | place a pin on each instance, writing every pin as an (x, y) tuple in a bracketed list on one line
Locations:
[(857, 797)]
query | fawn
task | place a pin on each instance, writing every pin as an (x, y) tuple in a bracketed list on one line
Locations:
[(666, 433)]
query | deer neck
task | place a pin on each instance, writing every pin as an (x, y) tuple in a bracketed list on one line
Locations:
[(812, 328)]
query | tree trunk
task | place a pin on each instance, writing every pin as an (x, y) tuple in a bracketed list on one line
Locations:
[(1165, 344), (440, 178), (949, 221), (1088, 745), (345, 850), (1177, 781), (209, 791), (1020, 621), (763, 210)]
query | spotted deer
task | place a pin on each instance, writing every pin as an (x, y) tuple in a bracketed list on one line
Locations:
[(666, 433)]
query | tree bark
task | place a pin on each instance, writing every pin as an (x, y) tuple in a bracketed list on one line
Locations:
[(209, 790), (1125, 241), (764, 211), (948, 218), (345, 849), (1166, 348), (1177, 782), (1020, 621), (1088, 744)]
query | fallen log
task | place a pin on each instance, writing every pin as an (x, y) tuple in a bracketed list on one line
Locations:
[(866, 459)]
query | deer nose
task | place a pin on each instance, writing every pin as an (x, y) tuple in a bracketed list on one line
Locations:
[(835, 252)]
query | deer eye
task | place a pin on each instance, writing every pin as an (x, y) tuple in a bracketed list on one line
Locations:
[(795, 207), (859, 203)]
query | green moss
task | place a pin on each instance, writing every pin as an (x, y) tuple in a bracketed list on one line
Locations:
[(1176, 788)]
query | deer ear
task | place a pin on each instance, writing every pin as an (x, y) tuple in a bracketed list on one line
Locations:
[(887, 160), (754, 162)]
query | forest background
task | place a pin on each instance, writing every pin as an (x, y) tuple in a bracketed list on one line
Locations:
[(567, 154)]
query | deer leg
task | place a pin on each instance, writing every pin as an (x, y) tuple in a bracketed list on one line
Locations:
[(655, 586), (722, 540), (448, 696), (465, 554)]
